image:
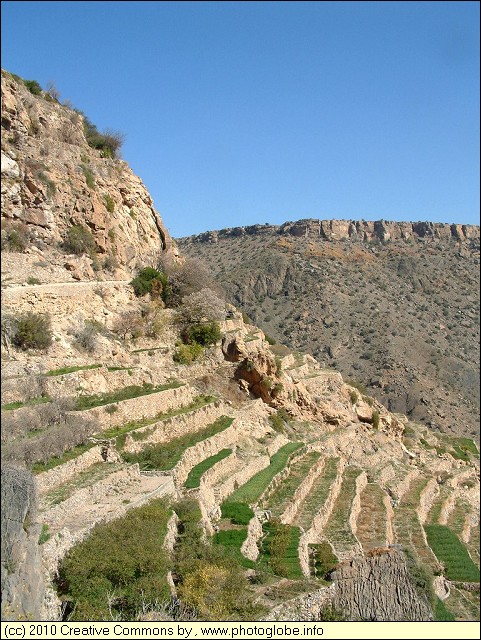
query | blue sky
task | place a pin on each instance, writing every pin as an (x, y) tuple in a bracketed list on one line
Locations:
[(238, 113)]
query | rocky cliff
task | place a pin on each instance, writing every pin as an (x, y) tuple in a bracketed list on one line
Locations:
[(54, 182), (367, 231)]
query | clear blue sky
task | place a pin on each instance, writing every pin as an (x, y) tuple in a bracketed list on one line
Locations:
[(238, 113)]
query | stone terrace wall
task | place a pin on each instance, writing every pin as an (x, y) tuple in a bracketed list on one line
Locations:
[(141, 407), (302, 491), (249, 547), (204, 449), (93, 381), (166, 430), (50, 479), (305, 608)]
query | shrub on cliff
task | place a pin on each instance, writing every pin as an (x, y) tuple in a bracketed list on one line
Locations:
[(150, 280), (79, 240), (32, 331)]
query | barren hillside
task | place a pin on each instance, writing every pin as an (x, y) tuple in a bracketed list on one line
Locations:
[(392, 306)]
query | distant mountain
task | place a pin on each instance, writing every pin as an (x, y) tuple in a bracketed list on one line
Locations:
[(393, 306)]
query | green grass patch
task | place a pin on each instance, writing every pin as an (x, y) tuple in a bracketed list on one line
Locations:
[(110, 369), (127, 393), (166, 455), (451, 552), (280, 549), (40, 467), (441, 613), (251, 491), (149, 349), (237, 512), (63, 370), (193, 479), (10, 406), (232, 539)]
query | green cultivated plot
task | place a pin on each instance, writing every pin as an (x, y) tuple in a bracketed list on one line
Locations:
[(166, 455), (451, 552), (318, 494), (281, 497), (252, 490), (193, 479)]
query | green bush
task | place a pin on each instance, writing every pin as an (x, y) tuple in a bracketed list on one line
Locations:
[(109, 142), (375, 419), (33, 86), (88, 175), (188, 353), (80, 240), (15, 237), (149, 280), (205, 334), (32, 331), (325, 561), (109, 203)]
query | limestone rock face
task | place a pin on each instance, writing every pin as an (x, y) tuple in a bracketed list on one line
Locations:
[(378, 588), (53, 180)]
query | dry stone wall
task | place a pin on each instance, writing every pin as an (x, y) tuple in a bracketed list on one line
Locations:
[(55, 477), (302, 491), (94, 381), (141, 407), (249, 548), (166, 430)]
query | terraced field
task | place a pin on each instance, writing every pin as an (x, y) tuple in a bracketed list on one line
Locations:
[(317, 496), (86, 478), (338, 530), (281, 497), (371, 523), (407, 528), (166, 455), (435, 511), (195, 475), (252, 490)]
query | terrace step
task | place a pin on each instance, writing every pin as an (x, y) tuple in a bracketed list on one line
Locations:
[(106, 499), (372, 524), (144, 406), (408, 530), (339, 528)]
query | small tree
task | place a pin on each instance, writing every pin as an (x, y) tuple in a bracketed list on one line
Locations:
[(201, 307)]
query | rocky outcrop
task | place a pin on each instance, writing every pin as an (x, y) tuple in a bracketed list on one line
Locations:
[(23, 585), (52, 180), (378, 588), (366, 231)]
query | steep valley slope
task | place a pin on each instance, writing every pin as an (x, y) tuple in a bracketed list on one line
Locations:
[(392, 306), (149, 477)]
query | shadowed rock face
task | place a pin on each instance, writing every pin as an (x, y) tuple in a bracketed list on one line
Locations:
[(23, 585), (379, 588)]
